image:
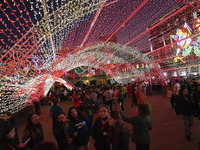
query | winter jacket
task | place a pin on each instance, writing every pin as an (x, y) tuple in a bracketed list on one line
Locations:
[(184, 106), (141, 125), (100, 135)]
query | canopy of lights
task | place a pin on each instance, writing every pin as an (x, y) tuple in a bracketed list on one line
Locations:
[(40, 40)]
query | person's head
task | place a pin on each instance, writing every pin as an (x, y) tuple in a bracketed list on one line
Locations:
[(144, 109), (183, 91), (61, 116), (45, 146), (32, 121), (114, 119), (7, 116), (8, 131), (74, 113), (104, 111), (176, 81)]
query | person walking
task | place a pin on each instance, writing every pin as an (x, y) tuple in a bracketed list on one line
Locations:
[(185, 109), (196, 100), (120, 98), (175, 93), (134, 87)]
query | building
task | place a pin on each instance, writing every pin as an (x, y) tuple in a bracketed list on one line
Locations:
[(175, 42)]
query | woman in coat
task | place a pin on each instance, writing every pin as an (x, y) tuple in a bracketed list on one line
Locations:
[(141, 125), (100, 129)]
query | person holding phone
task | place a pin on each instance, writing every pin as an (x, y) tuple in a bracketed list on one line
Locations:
[(33, 130)]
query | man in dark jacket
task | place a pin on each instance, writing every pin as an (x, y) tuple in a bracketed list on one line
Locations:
[(184, 108)]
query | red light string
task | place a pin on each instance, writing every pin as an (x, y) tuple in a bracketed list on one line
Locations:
[(181, 9)]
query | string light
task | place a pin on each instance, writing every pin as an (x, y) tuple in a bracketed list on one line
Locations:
[(44, 40)]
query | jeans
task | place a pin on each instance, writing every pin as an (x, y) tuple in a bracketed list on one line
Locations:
[(188, 122)]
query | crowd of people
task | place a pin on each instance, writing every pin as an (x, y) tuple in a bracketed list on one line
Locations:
[(74, 130), (185, 98)]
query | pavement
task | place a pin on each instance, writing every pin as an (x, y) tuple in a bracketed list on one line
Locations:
[(167, 132)]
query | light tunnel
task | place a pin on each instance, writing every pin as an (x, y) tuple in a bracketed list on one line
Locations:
[(39, 46), (108, 57)]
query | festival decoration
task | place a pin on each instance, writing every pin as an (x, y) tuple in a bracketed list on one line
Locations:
[(43, 39), (81, 70), (184, 43), (197, 25)]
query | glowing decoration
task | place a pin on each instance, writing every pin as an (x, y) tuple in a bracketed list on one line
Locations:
[(165, 74), (183, 42), (197, 25), (81, 70), (183, 73), (175, 74), (45, 39), (180, 35), (50, 80)]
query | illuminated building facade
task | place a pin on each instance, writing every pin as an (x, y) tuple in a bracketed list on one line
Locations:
[(175, 42)]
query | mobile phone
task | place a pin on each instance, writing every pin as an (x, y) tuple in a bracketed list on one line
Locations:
[(27, 141)]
